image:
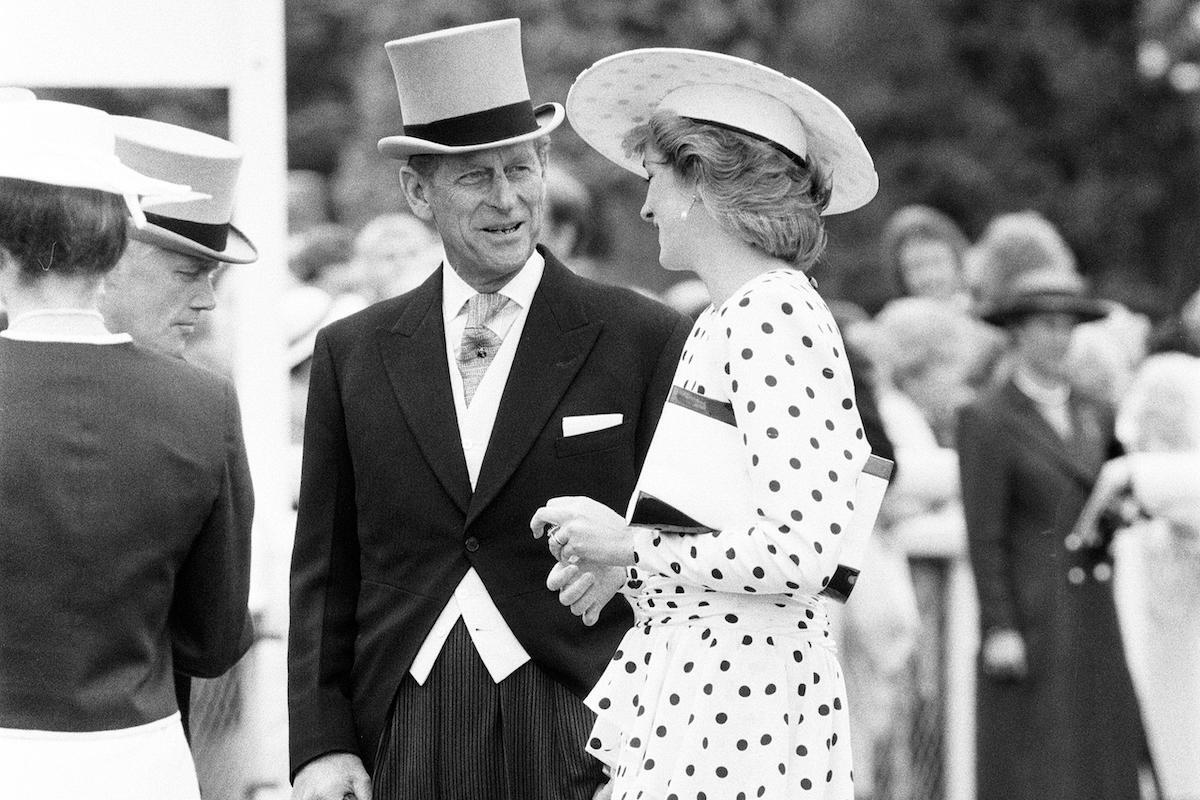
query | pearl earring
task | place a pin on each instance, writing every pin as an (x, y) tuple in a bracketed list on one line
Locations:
[(684, 214)]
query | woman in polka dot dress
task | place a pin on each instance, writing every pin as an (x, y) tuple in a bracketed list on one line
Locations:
[(728, 686)]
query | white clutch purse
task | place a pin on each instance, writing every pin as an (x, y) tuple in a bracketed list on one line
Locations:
[(694, 481)]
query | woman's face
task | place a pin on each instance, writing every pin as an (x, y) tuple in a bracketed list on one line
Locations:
[(1043, 342), (669, 204), (930, 268)]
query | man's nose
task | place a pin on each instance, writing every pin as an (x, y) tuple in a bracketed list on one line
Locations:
[(503, 194), (205, 297)]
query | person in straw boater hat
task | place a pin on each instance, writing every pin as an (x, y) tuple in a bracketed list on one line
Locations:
[(123, 479), (424, 650), (728, 686), (163, 283), (1057, 714)]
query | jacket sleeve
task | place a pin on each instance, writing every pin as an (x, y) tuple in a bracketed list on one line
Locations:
[(985, 489), (209, 615), (324, 578)]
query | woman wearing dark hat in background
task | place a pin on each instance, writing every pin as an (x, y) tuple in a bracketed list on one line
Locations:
[(1057, 715), (728, 683), (124, 538), (923, 249)]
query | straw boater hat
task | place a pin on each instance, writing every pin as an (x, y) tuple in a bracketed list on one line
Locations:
[(464, 89), (208, 164), (621, 91), (1044, 292), (64, 144)]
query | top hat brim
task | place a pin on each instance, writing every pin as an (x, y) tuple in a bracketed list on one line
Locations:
[(619, 92), (1083, 309), (238, 248), (548, 116)]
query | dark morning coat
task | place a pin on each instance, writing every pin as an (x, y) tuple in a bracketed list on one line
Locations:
[(125, 515), (1071, 729), (388, 524)]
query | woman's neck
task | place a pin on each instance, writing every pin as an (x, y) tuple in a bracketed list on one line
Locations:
[(729, 265), (50, 292)]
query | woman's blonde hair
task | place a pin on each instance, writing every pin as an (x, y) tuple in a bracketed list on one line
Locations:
[(759, 193)]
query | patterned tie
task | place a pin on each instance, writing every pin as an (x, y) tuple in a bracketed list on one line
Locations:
[(479, 342)]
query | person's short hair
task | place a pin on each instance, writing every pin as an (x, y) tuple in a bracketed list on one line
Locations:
[(426, 164), (64, 229), (919, 223), (758, 193)]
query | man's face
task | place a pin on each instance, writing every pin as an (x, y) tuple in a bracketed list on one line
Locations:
[(157, 296), (487, 207)]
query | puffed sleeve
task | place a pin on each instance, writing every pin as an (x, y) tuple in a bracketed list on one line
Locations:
[(785, 372)]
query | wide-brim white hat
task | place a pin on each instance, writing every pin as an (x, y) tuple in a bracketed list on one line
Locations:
[(464, 89), (619, 92), (64, 144), (208, 164)]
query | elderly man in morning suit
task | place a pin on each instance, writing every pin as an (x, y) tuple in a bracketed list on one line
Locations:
[(423, 648)]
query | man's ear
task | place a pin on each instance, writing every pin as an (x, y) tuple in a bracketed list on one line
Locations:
[(415, 192)]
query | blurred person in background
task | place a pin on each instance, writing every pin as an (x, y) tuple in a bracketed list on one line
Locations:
[(923, 250), (1105, 353), (163, 284), (426, 657), (316, 249), (1179, 332), (1057, 716), (124, 483), (927, 354), (1153, 493), (308, 200), (571, 229), (392, 254)]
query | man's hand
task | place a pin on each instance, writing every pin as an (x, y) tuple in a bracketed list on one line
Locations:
[(1004, 655), (604, 792), (585, 589), (334, 776)]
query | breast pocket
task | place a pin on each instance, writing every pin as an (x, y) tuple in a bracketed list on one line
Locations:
[(592, 442)]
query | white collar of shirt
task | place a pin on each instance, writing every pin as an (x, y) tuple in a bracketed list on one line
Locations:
[(1039, 392), (69, 325), (520, 289)]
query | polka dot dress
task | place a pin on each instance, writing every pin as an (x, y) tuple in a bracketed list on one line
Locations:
[(728, 685)]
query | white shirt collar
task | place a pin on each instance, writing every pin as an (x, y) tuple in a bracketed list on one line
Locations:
[(1038, 391), (70, 325), (520, 288)]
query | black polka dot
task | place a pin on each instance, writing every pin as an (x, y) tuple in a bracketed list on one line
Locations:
[(786, 308), (768, 327), (747, 353)]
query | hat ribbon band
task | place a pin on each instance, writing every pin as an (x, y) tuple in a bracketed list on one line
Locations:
[(205, 234), (479, 127), (799, 159)]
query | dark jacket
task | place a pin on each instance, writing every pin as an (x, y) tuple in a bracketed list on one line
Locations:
[(124, 533), (1071, 729), (388, 524)]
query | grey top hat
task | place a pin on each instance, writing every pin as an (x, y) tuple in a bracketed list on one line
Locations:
[(206, 163), (464, 89), (1044, 292)]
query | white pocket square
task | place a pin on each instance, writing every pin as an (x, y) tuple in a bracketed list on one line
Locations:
[(587, 423)]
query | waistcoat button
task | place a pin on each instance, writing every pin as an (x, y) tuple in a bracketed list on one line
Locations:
[(472, 544)]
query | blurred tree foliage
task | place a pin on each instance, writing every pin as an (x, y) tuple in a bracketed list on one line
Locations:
[(973, 106)]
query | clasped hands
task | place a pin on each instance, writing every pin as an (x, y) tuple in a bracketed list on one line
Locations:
[(592, 546)]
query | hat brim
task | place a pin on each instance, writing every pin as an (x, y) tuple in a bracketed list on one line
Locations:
[(82, 171), (1083, 309), (619, 92), (548, 117), (238, 248)]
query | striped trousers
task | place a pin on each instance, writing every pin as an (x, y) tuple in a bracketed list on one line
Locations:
[(461, 736)]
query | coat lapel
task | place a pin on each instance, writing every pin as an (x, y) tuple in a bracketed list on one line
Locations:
[(1030, 427), (554, 344), (414, 356)]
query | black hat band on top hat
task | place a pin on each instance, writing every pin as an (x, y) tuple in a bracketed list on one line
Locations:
[(799, 159), (480, 127), (213, 236)]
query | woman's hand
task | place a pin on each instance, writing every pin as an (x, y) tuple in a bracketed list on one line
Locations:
[(582, 530)]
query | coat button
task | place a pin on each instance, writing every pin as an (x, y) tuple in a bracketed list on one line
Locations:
[(472, 544)]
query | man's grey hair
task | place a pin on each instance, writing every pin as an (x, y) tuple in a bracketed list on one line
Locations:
[(426, 164)]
